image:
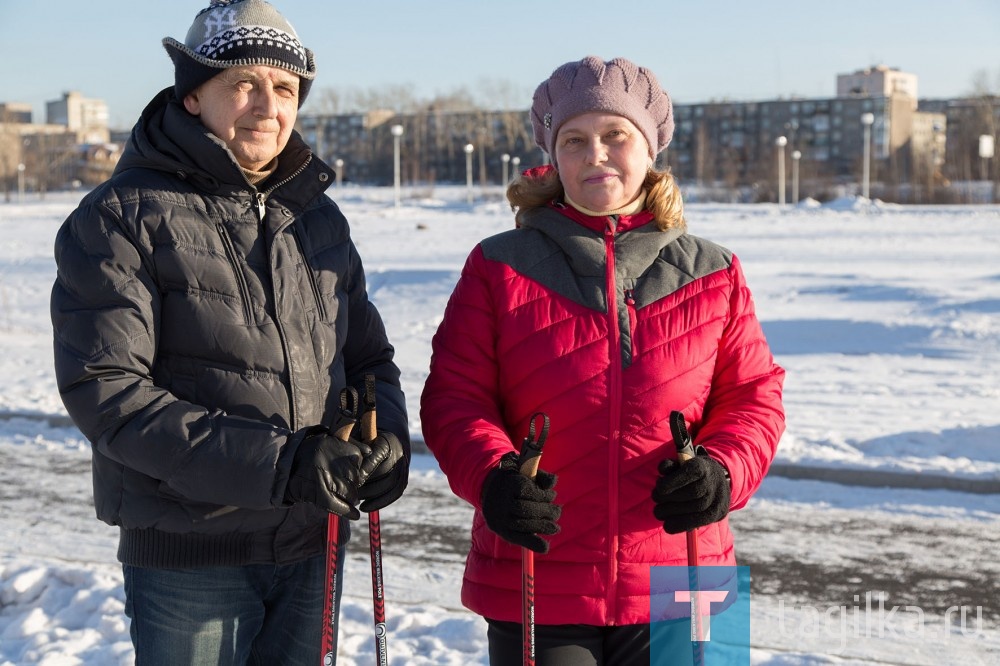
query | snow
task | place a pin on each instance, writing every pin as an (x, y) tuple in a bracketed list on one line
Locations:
[(885, 493)]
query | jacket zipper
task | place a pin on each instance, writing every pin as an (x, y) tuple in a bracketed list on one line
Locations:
[(633, 318), (241, 278), (615, 422), (261, 198)]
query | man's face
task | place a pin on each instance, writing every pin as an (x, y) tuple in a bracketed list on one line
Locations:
[(252, 109)]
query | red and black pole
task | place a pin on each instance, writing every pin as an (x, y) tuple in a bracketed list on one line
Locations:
[(345, 423), (369, 432), (686, 452), (531, 455)]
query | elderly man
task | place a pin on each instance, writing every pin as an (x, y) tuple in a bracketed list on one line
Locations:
[(210, 307)]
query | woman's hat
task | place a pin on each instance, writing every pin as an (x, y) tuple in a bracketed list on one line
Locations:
[(232, 33), (617, 86)]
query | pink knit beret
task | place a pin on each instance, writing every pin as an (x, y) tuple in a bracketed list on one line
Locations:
[(617, 86)]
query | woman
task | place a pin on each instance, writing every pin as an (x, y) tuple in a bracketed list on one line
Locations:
[(602, 312)]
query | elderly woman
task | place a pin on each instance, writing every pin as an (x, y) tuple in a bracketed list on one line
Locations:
[(601, 311)]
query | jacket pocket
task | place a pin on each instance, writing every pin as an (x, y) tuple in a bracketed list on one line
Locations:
[(241, 278), (311, 276)]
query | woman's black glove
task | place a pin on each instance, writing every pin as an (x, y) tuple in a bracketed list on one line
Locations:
[(691, 495), (326, 472), (386, 482), (518, 508)]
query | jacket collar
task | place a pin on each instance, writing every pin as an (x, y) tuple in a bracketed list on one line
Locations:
[(599, 224)]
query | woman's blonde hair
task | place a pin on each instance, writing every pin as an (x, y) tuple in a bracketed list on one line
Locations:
[(539, 187)]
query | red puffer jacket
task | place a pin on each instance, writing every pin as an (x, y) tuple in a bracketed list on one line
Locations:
[(606, 325)]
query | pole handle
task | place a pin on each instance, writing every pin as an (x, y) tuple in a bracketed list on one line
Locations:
[(682, 439), (531, 449)]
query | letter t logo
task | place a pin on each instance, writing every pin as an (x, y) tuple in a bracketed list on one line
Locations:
[(700, 602)]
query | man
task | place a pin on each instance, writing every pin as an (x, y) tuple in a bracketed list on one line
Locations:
[(210, 307)]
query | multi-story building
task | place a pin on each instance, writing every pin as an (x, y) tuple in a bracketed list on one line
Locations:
[(966, 120), (431, 144), (60, 152), (88, 118), (878, 81)]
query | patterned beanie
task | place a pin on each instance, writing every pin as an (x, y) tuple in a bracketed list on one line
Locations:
[(618, 86), (231, 33)]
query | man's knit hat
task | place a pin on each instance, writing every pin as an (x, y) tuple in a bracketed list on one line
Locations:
[(618, 86), (232, 33)]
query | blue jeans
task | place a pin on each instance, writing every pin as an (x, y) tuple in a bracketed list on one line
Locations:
[(255, 614)]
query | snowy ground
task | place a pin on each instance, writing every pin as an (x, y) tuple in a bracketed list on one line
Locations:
[(873, 541)]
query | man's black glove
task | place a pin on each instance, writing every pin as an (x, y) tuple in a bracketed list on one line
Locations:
[(691, 495), (518, 508), (326, 472), (385, 483)]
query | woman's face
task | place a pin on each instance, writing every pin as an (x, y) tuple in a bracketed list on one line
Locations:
[(603, 160)]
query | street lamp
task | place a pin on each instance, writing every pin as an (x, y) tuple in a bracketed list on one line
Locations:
[(397, 132), (781, 142), (20, 183), (505, 158), (515, 164), (796, 156), (339, 171), (468, 171), (866, 121), (985, 153)]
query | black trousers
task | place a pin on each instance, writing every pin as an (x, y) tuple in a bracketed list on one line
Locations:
[(588, 645)]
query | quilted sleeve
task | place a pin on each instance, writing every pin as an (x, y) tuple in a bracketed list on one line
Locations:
[(460, 406), (744, 417)]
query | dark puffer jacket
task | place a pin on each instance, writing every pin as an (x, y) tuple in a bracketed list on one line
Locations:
[(200, 326)]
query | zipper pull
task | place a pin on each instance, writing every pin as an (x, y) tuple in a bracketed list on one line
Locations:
[(629, 297), (260, 206)]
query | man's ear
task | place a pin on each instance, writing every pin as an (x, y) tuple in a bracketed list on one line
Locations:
[(192, 104)]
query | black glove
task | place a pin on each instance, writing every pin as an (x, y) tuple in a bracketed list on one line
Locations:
[(385, 483), (326, 472), (518, 508), (691, 495)]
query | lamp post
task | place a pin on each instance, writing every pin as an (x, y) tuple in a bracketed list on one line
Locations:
[(339, 170), (469, 148), (505, 158), (796, 156), (397, 132), (781, 142), (985, 153), (20, 182), (866, 121), (516, 165)]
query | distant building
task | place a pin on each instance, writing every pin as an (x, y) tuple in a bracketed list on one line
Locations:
[(88, 118), (431, 143), (72, 148), (878, 81), (15, 112)]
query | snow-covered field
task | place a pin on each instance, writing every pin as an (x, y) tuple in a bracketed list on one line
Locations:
[(874, 540)]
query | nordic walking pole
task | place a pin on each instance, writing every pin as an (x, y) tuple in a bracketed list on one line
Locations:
[(527, 463), (685, 452), (345, 423), (369, 432)]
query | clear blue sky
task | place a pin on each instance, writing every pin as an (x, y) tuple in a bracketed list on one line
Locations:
[(700, 51)]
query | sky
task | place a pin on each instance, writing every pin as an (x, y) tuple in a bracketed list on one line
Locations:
[(704, 51), (890, 370)]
